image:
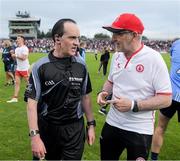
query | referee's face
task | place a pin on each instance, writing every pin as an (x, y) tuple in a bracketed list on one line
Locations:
[(70, 39)]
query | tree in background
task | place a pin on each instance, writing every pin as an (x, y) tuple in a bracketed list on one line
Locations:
[(42, 34), (101, 36)]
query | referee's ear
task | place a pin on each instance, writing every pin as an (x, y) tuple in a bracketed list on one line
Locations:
[(57, 39)]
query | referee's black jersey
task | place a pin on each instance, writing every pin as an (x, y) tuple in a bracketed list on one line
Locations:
[(58, 85)]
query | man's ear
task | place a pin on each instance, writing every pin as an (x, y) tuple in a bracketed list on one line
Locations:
[(57, 38), (135, 34)]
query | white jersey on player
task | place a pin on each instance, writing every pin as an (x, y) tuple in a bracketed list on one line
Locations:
[(22, 65), (140, 77)]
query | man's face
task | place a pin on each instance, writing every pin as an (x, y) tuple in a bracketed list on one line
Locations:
[(122, 40), (19, 40), (70, 39)]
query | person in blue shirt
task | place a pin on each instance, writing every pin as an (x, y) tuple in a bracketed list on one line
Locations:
[(82, 51), (167, 113)]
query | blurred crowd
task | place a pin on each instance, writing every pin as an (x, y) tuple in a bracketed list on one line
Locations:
[(161, 46), (92, 45)]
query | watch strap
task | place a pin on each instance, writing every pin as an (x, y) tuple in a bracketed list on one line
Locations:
[(93, 122)]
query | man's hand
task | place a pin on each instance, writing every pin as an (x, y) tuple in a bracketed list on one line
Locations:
[(13, 55), (101, 99), (121, 104), (38, 148), (91, 135)]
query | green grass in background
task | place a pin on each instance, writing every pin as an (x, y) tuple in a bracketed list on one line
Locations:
[(14, 140)]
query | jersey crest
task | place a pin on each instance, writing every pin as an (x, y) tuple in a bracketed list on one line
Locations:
[(140, 68)]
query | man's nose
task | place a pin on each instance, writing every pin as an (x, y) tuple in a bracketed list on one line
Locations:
[(77, 41), (114, 39)]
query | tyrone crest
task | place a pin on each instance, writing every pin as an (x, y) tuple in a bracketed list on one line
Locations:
[(140, 68)]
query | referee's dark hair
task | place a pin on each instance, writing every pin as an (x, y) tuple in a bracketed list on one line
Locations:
[(58, 28)]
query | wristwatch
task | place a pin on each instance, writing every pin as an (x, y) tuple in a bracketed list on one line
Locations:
[(135, 107), (89, 123), (33, 133)]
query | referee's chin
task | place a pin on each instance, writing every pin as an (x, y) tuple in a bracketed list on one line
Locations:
[(72, 53)]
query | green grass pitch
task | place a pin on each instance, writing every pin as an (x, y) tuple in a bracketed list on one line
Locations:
[(14, 140)]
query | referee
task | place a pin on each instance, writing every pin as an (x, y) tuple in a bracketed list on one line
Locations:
[(57, 96)]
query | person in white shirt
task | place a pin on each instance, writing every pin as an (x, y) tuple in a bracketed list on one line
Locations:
[(140, 84), (21, 56)]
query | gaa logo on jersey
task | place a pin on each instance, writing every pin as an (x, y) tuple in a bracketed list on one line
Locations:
[(139, 68)]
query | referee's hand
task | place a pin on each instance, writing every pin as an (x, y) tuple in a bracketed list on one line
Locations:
[(90, 135), (38, 148)]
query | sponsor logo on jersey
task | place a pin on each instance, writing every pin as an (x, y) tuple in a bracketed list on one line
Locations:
[(75, 79), (139, 68), (49, 83)]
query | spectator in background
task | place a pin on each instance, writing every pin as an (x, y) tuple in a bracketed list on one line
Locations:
[(140, 84), (21, 56), (82, 51), (104, 61), (96, 54), (57, 94), (100, 63), (9, 63), (167, 113)]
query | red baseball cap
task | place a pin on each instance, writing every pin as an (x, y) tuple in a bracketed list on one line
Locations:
[(126, 21)]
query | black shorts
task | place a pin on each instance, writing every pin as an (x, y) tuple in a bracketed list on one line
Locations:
[(8, 67), (114, 140), (63, 142), (171, 110)]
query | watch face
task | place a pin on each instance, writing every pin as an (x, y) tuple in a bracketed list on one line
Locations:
[(135, 110), (34, 132)]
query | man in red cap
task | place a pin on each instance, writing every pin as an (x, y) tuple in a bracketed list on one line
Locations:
[(140, 84)]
